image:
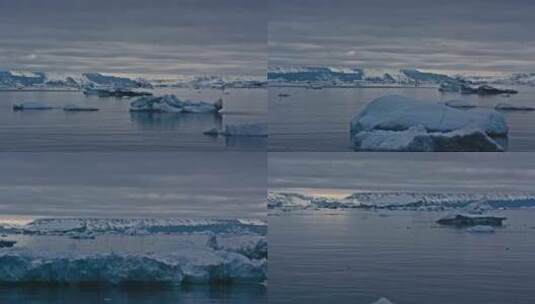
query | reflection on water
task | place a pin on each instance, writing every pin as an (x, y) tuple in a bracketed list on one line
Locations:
[(166, 121), (133, 295)]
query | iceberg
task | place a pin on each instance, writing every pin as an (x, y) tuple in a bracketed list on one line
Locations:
[(503, 106), (31, 106), (247, 130), (170, 103), (78, 108), (460, 103), (398, 123), (398, 113)]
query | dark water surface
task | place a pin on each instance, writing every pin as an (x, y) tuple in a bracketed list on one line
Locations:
[(360, 256)]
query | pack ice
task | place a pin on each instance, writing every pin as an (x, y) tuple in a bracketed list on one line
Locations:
[(398, 123), (170, 103)]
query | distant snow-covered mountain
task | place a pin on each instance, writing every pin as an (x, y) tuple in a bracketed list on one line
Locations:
[(211, 82), (389, 76), (25, 79)]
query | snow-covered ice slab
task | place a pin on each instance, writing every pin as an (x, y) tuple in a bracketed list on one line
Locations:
[(461, 103), (32, 105), (248, 130), (505, 106), (399, 113), (397, 123), (123, 251), (424, 201), (170, 103)]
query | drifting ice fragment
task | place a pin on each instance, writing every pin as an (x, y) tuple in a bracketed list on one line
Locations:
[(31, 106)]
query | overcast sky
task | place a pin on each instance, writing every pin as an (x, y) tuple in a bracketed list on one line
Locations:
[(471, 36), (342, 173), (200, 184), (136, 37)]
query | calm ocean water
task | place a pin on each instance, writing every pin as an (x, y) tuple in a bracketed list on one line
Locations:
[(359, 256), (114, 128), (318, 120)]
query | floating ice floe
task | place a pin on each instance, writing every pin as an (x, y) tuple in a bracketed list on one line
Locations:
[(398, 123), (461, 103), (481, 229), (78, 108), (423, 201), (460, 220), (170, 103), (505, 106), (31, 106), (250, 130)]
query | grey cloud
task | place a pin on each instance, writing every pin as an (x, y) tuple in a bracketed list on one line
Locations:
[(477, 35), (133, 36)]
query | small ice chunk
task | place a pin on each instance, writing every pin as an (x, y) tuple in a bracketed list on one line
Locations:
[(506, 106), (460, 103), (212, 132), (32, 105)]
